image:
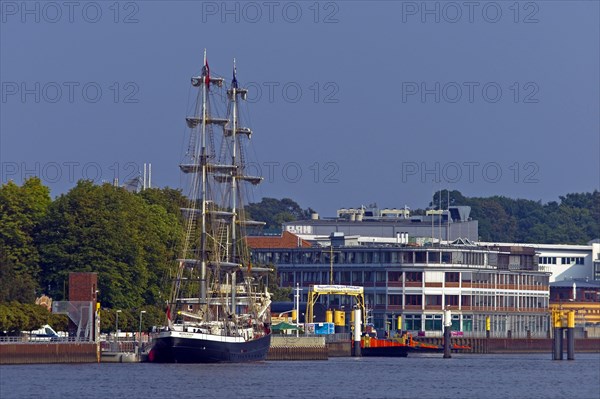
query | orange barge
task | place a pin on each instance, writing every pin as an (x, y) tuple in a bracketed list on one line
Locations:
[(399, 347)]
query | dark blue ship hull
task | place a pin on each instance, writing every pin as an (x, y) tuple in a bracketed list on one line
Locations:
[(193, 350)]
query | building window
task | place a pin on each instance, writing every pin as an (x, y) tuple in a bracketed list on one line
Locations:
[(452, 277), (451, 300), (394, 276), (414, 299), (414, 276), (345, 277), (308, 257), (467, 323), (548, 260), (433, 300), (434, 257), (455, 322), (446, 257), (465, 300), (358, 257), (573, 261), (380, 277), (433, 322), (385, 257), (395, 300), (589, 296), (296, 257), (350, 257), (412, 322)]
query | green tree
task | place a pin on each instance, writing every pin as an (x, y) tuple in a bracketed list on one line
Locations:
[(15, 286), (274, 212), (117, 234), (22, 208), (16, 317), (278, 294), (573, 220)]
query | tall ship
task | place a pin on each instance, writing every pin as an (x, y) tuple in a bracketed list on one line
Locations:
[(219, 306)]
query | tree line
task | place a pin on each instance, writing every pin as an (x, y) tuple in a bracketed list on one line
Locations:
[(131, 239), (575, 219)]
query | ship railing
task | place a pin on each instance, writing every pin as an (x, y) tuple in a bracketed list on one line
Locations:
[(40, 340), (120, 346)]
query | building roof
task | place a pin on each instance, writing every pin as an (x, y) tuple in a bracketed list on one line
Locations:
[(549, 247), (286, 240), (578, 284)]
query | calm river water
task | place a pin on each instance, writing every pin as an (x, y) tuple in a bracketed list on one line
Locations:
[(430, 376)]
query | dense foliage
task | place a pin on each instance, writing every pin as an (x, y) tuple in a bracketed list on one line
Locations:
[(16, 317), (22, 210), (573, 220), (274, 212), (128, 240)]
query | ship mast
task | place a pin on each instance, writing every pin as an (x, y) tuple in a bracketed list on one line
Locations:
[(233, 92), (203, 162), (236, 169), (200, 168)]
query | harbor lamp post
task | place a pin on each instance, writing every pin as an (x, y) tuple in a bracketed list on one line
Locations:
[(298, 309), (117, 330), (140, 332)]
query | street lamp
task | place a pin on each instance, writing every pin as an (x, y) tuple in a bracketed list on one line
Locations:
[(140, 331), (298, 309), (117, 329)]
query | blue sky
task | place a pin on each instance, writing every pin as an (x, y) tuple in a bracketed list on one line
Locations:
[(351, 102)]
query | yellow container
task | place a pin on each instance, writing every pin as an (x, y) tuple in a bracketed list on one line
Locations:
[(399, 321), (328, 316), (294, 315), (339, 318)]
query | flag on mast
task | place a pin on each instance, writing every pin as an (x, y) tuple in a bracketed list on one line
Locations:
[(234, 82), (206, 73)]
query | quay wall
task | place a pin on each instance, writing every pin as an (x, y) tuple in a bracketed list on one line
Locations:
[(26, 353), (297, 348), (517, 345)]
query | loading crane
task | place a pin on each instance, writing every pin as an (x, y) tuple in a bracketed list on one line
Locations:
[(315, 291)]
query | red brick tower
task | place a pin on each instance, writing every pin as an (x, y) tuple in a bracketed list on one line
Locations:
[(83, 287)]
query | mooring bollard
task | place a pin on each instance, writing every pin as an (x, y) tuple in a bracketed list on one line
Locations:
[(447, 333), (557, 322), (357, 332), (557, 353), (571, 335)]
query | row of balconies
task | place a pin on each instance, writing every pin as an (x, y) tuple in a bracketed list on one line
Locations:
[(419, 284)]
